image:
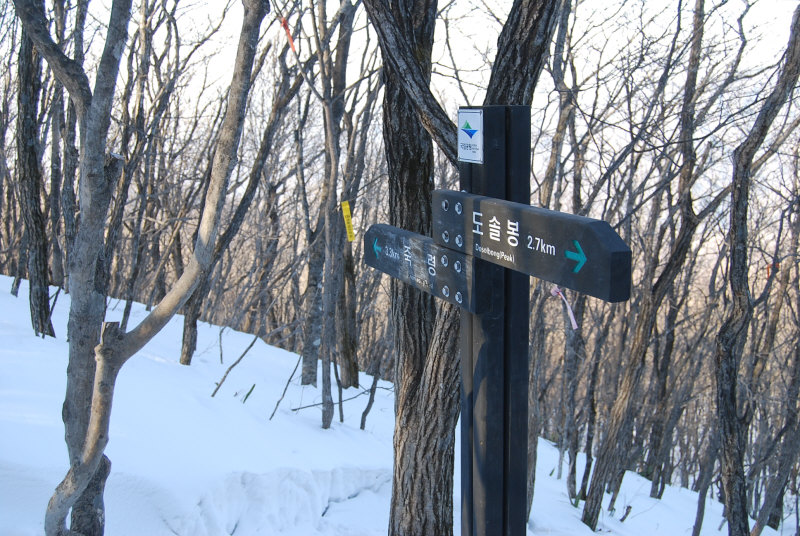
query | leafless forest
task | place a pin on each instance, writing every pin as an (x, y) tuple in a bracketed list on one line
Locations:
[(146, 156)]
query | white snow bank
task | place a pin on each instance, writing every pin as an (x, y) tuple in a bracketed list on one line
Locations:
[(186, 464)]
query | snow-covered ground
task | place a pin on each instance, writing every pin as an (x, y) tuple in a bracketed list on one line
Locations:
[(188, 464)]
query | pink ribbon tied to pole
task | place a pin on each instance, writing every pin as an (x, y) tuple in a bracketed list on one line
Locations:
[(555, 291)]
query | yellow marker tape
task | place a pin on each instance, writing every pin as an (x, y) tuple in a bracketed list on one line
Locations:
[(348, 222)]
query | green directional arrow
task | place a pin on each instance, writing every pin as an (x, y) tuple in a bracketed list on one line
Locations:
[(377, 249), (579, 256)]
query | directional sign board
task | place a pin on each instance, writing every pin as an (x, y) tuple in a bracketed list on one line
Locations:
[(576, 252), (417, 260)]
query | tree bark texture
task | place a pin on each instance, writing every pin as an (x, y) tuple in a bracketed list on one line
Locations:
[(522, 50), (426, 363), (733, 333), (57, 272), (423, 441), (87, 305), (346, 325), (30, 185), (312, 330)]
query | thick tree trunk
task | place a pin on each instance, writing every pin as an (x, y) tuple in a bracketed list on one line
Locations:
[(732, 425), (425, 438), (425, 374)]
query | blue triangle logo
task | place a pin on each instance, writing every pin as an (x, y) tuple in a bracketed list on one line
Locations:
[(468, 129)]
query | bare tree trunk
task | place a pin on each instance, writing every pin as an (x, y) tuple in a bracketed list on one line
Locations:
[(285, 92), (591, 400), (312, 296), (731, 337), (612, 455), (574, 353), (704, 477), (30, 181), (69, 206), (56, 178), (312, 332), (346, 326), (789, 451), (87, 305), (333, 75), (87, 409), (426, 369), (536, 359), (656, 454)]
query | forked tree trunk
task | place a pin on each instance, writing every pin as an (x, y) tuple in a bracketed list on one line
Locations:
[(426, 399), (193, 308), (426, 383), (87, 408)]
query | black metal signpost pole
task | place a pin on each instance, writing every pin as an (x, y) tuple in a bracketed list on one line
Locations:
[(494, 344), (487, 242)]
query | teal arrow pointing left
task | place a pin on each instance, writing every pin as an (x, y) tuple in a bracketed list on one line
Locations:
[(376, 248), (579, 256)]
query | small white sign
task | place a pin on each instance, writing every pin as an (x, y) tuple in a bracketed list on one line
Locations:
[(470, 135)]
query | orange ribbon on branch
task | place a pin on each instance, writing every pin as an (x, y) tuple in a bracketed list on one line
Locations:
[(285, 25)]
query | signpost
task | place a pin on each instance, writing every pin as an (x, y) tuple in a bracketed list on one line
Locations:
[(487, 241), (579, 253), (419, 262)]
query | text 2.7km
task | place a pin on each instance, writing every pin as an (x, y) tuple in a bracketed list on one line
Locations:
[(537, 244)]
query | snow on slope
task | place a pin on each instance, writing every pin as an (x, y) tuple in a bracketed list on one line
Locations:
[(187, 464)]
